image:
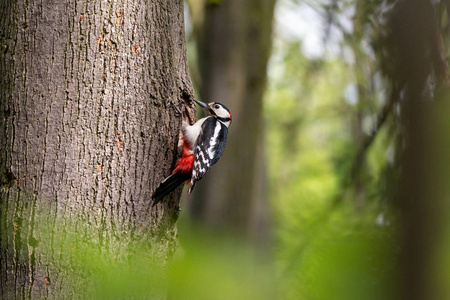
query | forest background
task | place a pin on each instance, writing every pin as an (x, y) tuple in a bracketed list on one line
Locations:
[(356, 170)]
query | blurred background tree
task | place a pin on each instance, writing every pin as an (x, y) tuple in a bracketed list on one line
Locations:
[(233, 42)]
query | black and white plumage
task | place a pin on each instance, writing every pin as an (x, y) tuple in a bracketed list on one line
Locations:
[(203, 145), (209, 147), (211, 139)]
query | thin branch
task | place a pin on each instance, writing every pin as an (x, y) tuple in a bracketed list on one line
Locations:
[(381, 120), (365, 145)]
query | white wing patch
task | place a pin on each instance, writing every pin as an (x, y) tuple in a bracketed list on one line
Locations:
[(213, 140), (204, 153)]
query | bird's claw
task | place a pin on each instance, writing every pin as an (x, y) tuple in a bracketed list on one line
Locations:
[(180, 112)]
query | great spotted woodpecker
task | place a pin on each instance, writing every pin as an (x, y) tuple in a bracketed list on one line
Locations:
[(203, 145)]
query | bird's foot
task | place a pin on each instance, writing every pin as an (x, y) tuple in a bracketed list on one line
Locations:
[(181, 111)]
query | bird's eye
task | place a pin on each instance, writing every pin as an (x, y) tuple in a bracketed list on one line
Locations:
[(216, 106)]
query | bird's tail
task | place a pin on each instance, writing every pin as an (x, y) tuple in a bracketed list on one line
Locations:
[(167, 186)]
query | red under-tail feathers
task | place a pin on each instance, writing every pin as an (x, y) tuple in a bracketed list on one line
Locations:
[(185, 163), (182, 172)]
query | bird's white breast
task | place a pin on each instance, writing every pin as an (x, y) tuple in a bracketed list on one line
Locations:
[(191, 132)]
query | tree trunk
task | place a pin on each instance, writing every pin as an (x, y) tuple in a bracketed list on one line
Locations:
[(424, 189), (88, 129), (234, 43)]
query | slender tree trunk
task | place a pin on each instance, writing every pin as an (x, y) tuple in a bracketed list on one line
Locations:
[(234, 43), (424, 189), (88, 129)]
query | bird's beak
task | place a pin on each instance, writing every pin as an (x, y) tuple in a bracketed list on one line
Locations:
[(204, 106)]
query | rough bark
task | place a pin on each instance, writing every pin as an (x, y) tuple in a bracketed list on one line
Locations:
[(234, 42), (88, 129)]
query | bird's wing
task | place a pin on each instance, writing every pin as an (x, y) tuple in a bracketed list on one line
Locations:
[(209, 148)]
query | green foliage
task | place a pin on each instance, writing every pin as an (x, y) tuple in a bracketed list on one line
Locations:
[(325, 251), (341, 258), (71, 252), (217, 265)]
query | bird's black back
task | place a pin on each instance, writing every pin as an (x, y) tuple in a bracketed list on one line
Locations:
[(210, 146)]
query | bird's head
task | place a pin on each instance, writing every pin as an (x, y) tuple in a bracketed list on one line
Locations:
[(218, 110)]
